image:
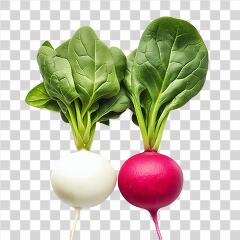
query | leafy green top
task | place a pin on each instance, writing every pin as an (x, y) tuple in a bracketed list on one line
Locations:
[(81, 80), (166, 70)]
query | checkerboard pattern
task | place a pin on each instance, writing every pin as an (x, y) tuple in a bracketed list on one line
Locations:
[(203, 137)]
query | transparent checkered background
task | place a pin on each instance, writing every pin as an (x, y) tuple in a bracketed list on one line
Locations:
[(203, 137)]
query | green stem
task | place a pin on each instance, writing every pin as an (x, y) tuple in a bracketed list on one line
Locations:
[(83, 137), (78, 142), (141, 123), (160, 133), (72, 120), (73, 117), (163, 115), (88, 128), (91, 137), (84, 111), (75, 137), (152, 122), (79, 117)]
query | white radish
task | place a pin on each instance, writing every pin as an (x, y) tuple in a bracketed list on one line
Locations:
[(83, 179), (85, 94)]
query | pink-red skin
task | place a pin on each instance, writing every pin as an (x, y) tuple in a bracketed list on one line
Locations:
[(150, 180)]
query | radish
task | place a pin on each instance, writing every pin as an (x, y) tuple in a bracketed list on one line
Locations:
[(151, 181), (166, 70), (83, 179), (82, 81)]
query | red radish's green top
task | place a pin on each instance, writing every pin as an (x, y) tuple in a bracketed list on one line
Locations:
[(167, 69)]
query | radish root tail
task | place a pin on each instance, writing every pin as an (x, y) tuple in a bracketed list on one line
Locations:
[(77, 217), (155, 220)]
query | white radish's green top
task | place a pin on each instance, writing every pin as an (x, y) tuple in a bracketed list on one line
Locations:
[(81, 80)]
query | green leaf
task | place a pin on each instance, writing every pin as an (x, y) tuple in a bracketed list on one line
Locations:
[(120, 62), (134, 119), (62, 50), (94, 107), (57, 76), (39, 98), (130, 81), (93, 68), (62, 106), (146, 101), (111, 108), (64, 118), (48, 44), (171, 59), (107, 123)]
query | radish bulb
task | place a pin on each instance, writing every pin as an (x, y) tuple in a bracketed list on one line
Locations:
[(151, 181), (83, 179)]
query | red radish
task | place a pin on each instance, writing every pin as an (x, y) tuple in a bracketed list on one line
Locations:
[(150, 180), (166, 70)]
